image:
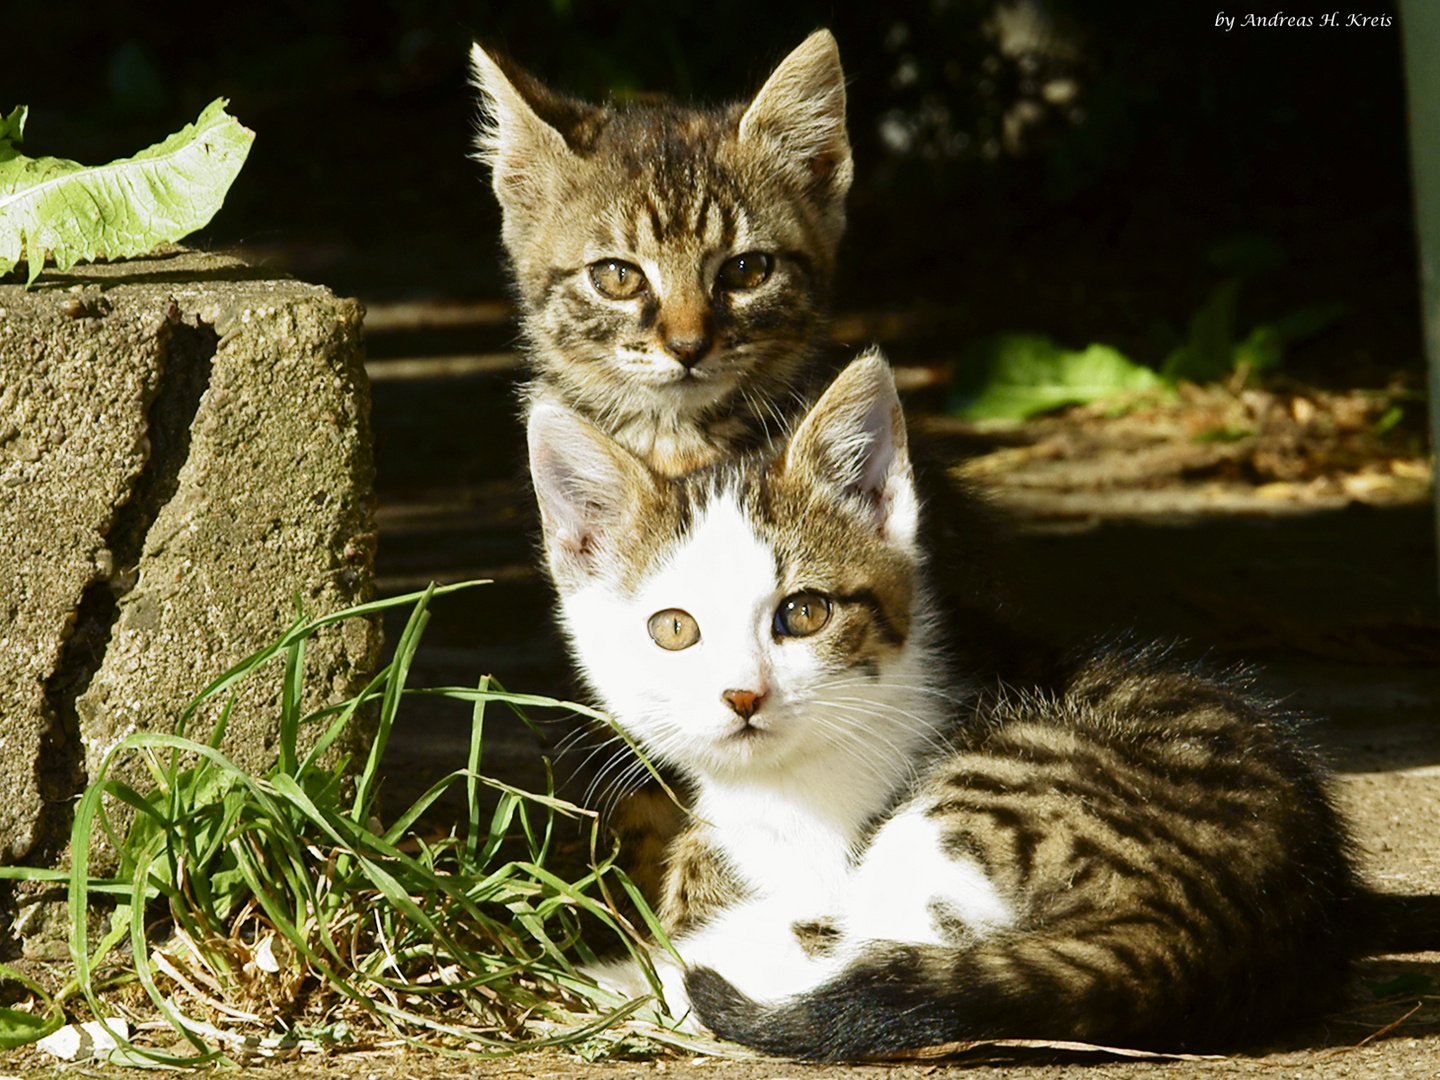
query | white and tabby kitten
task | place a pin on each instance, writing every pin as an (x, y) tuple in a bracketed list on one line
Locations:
[(673, 263), (874, 863)]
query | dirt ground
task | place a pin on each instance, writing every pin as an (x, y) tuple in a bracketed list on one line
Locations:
[(1302, 542)]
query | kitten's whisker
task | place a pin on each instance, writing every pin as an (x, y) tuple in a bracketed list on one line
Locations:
[(626, 784), (574, 740), (867, 751), (887, 684), (871, 735), (617, 765), (863, 743), (917, 722), (595, 751)]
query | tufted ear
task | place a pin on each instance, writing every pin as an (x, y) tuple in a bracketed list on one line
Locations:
[(588, 487), (800, 111), (524, 129), (853, 441)]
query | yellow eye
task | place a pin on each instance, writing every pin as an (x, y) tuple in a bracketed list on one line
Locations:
[(745, 271), (674, 629), (801, 613), (617, 280)]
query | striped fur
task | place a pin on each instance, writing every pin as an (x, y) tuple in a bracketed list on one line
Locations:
[(693, 367), (880, 860)]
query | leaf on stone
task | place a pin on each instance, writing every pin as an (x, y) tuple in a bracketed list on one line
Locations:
[(74, 212), (1013, 376)]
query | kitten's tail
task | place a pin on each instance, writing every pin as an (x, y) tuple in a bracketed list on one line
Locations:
[(906, 997), (871, 1010)]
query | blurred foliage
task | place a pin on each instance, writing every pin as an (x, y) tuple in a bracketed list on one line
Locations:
[(1211, 349), (1021, 375), (1013, 376)]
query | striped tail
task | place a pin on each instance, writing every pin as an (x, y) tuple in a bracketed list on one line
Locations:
[(905, 997), (882, 1006)]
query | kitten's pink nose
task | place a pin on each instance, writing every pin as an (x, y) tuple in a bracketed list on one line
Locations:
[(689, 349), (746, 703)]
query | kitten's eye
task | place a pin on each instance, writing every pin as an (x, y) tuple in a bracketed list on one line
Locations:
[(674, 629), (617, 280), (801, 614), (745, 271)]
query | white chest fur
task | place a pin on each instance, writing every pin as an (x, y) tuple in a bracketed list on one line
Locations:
[(905, 886), (778, 847)]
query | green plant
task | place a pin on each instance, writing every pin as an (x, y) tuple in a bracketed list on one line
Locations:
[(1014, 376), (281, 901), (1211, 350), (53, 207), (1020, 375)]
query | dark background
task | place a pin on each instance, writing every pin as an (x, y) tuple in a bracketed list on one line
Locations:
[(1100, 223)]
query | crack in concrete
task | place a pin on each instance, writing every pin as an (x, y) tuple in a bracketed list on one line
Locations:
[(188, 355)]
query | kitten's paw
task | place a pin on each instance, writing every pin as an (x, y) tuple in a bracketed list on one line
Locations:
[(626, 979), (767, 952), (621, 977)]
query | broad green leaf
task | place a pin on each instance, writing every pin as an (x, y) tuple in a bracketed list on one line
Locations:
[(1025, 374), (49, 206)]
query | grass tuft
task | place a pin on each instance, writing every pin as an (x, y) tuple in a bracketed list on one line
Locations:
[(259, 913)]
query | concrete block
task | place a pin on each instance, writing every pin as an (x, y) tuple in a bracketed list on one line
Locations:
[(184, 451)]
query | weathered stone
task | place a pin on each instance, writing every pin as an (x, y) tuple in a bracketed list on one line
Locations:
[(72, 442), (184, 453)]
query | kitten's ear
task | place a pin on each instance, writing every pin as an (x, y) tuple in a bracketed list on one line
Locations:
[(524, 128), (853, 440), (588, 487), (801, 109)]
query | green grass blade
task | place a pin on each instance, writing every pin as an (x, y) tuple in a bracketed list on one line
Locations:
[(18, 1028), (401, 927), (305, 629), (390, 703), (472, 766), (292, 697)]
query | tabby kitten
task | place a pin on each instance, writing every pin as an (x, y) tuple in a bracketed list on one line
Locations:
[(673, 263), (880, 861)]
